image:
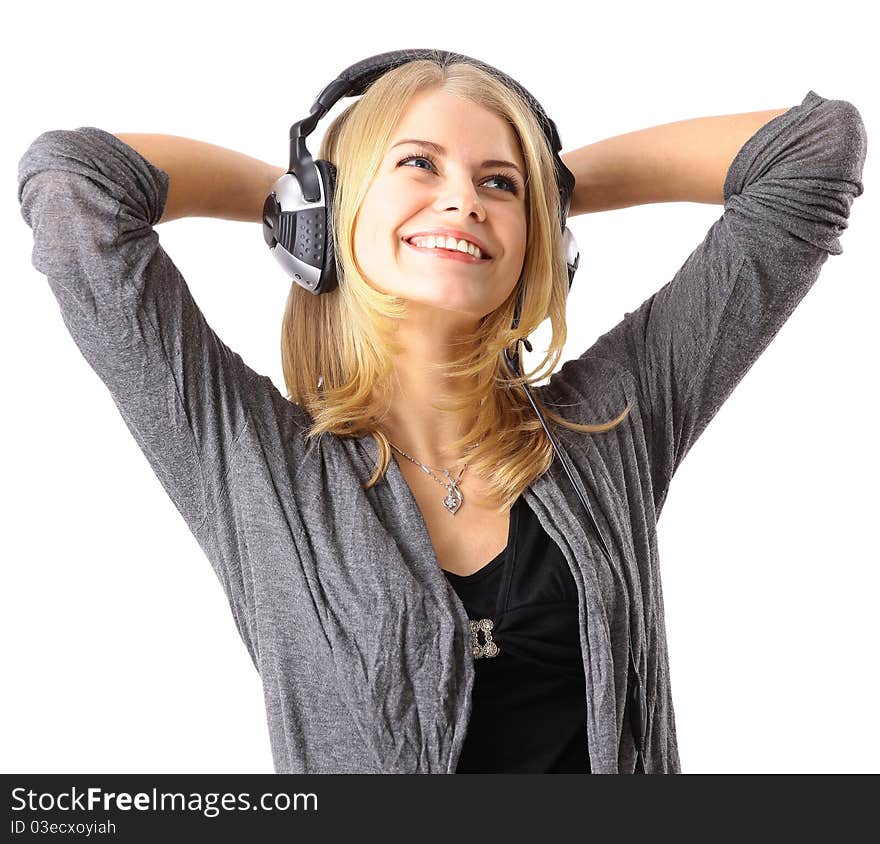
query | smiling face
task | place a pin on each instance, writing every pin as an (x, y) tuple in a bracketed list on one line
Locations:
[(460, 189)]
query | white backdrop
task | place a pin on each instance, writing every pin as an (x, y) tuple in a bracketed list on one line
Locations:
[(120, 653)]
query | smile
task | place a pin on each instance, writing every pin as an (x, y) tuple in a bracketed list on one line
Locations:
[(448, 254)]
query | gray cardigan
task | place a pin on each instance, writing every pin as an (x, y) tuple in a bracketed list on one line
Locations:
[(361, 643)]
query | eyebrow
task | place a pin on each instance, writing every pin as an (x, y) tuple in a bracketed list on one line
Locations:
[(490, 162)]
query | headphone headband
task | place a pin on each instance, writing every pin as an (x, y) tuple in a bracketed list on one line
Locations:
[(361, 75), (356, 79)]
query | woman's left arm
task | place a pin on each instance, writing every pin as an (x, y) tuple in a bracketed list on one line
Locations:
[(788, 186), (685, 161)]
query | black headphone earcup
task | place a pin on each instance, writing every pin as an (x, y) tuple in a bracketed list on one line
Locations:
[(329, 280)]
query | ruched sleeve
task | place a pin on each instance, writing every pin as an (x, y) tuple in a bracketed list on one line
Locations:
[(92, 201), (787, 199)]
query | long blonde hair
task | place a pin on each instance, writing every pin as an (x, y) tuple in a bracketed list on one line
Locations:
[(337, 348)]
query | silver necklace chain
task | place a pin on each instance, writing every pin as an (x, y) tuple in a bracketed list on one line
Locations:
[(454, 499)]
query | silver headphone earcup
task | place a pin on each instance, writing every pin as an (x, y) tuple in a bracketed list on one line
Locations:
[(295, 231)]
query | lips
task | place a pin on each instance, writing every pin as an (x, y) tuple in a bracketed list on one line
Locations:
[(458, 234), (448, 254)]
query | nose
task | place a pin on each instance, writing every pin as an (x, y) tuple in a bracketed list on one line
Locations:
[(461, 194)]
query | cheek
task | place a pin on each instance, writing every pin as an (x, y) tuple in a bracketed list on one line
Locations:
[(367, 226), (518, 228), (518, 252), (381, 215)]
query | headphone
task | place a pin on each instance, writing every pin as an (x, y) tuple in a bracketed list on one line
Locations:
[(297, 227)]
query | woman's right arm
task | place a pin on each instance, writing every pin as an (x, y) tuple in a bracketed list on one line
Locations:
[(207, 180)]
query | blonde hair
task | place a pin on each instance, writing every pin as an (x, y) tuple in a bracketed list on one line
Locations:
[(337, 348)]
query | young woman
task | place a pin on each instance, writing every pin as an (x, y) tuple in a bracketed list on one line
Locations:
[(407, 565)]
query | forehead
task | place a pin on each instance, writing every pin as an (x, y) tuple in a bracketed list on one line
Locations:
[(460, 126)]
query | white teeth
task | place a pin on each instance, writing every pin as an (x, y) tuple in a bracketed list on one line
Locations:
[(441, 242)]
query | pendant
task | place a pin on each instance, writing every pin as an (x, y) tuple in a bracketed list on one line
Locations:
[(453, 498)]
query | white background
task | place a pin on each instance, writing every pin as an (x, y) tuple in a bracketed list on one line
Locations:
[(119, 651)]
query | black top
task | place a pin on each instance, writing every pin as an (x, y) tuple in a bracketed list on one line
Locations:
[(528, 713)]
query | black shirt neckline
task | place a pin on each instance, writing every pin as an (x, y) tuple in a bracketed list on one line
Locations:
[(497, 561)]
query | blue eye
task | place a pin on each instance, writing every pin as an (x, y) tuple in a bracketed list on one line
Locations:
[(510, 180)]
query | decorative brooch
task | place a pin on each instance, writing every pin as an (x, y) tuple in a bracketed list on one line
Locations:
[(488, 647)]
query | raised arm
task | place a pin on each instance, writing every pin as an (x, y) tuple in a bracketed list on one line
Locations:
[(787, 198), (93, 201), (207, 180), (685, 161)]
